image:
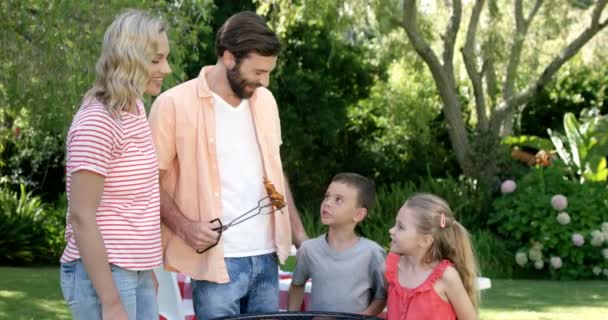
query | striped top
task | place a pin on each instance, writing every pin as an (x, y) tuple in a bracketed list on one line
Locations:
[(121, 150)]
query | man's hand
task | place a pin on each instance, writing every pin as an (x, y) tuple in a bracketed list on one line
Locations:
[(200, 235)]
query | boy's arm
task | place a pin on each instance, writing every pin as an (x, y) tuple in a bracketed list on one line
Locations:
[(374, 308), (295, 296), (379, 286)]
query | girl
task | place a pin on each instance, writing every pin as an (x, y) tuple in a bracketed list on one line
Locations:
[(431, 270)]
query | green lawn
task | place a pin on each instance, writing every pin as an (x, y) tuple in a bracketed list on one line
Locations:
[(545, 300), (33, 293)]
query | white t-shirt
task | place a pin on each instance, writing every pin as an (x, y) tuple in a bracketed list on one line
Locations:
[(241, 175)]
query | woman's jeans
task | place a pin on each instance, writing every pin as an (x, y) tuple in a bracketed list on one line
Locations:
[(136, 289)]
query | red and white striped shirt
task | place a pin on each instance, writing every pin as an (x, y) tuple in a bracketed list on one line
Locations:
[(121, 150)]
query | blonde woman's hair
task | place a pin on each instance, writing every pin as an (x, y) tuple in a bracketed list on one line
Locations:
[(129, 46), (450, 239)]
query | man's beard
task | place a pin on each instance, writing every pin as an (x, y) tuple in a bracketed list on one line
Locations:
[(238, 84)]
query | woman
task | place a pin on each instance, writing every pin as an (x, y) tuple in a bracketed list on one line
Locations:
[(113, 219)]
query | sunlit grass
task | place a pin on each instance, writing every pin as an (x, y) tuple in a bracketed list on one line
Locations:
[(556, 300), (34, 293), (31, 293)]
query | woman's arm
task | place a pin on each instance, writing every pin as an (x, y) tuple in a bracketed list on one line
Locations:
[(85, 195)]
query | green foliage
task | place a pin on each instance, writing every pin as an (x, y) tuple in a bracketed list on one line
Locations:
[(31, 157), (314, 105), (584, 147), (576, 87), (527, 219), (494, 258), (399, 129), (533, 142), (45, 71), (31, 234)]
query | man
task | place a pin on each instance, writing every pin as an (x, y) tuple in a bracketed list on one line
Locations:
[(217, 138)]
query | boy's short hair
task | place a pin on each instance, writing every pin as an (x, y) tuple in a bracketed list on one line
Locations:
[(366, 188)]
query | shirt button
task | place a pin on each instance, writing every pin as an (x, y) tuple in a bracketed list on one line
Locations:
[(216, 194), (211, 140)]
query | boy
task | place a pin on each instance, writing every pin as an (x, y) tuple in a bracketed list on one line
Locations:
[(346, 270)]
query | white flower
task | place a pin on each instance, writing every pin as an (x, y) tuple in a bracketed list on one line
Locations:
[(539, 264), (578, 240), (605, 227), (521, 259), (606, 272), (559, 202), (508, 186), (537, 246), (556, 262), (563, 218), (597, 238), (605, 253), (596, 242), (605, 235), (597, 270), (535, 255)]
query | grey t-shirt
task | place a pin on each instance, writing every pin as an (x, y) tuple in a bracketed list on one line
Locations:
[(345, 281)]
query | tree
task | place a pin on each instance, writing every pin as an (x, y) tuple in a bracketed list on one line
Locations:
[(47, 63), (494, 106)]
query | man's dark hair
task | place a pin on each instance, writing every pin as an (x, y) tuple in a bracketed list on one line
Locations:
[(244, 33), (366, 188)]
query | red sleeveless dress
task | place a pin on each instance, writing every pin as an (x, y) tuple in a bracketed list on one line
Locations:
[(420, 303)]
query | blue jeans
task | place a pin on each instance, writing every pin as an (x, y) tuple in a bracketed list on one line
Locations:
[(253, 287), (136, 290)]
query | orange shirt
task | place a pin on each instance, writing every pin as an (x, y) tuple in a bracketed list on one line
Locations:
[(182, 120), (420, 303)]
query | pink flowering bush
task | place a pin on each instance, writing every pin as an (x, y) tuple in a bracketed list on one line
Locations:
[(563, 218), (508, 186), (547, 240), (556, 262), (559, 202), (578, 240)]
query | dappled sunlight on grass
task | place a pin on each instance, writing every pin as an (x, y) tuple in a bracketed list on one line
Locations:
[(549, 313), (31, 293), (34, 293), (523, 300), (4, 294)]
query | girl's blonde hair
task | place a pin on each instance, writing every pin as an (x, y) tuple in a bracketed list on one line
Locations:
[(129, 46), (450, 239)]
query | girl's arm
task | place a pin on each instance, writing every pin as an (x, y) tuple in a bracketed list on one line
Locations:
[(374, 308), (458, 296)]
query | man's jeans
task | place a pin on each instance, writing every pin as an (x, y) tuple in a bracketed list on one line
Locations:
[(253, 287), (136, 290)]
